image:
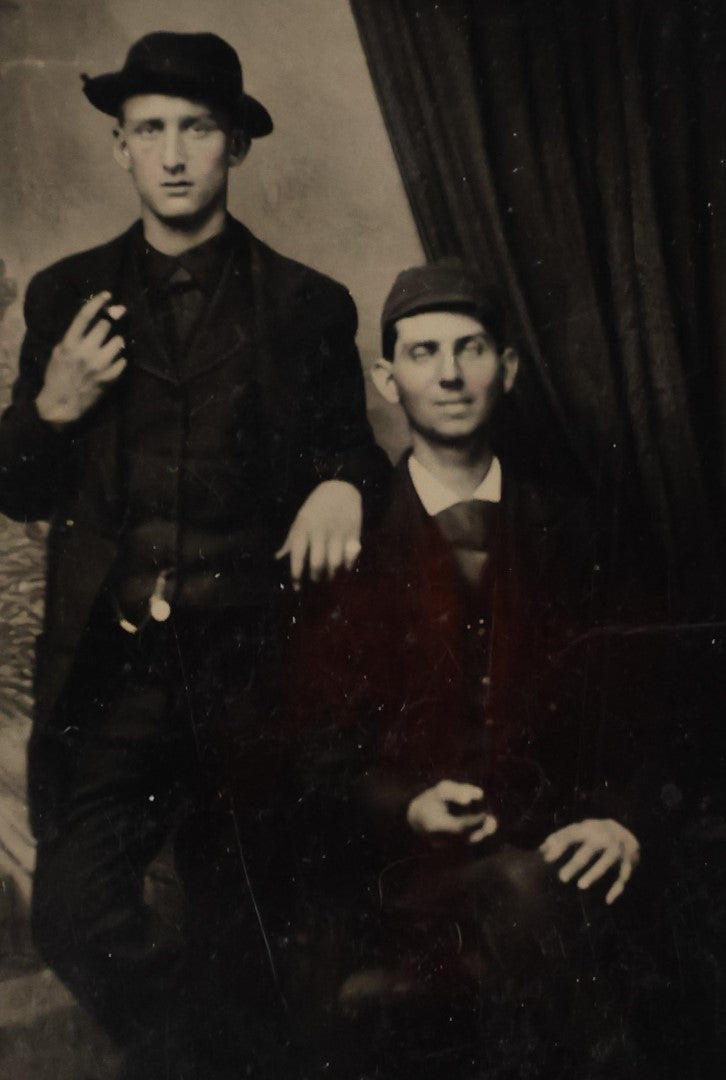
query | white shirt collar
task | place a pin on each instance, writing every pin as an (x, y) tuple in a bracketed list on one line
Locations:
[(436, 496)]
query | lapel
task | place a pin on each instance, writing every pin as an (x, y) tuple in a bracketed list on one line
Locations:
[(268, 319), (93, 271), (424, 693), (531, 548), (283, 315), (224, 328), (531, 586), (146, 348), (96, 437), (422, 563)]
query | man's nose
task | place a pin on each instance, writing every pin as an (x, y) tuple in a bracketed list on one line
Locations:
[(173, 152), (449, 369)]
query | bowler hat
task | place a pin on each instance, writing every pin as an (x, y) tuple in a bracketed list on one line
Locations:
[(201, 67), (447, 284)]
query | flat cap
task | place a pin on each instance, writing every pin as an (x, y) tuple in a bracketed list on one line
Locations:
[(445, 284)]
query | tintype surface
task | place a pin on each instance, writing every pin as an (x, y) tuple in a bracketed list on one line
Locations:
[(578, 159)]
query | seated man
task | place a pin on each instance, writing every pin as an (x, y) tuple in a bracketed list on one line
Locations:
[(443, 784)]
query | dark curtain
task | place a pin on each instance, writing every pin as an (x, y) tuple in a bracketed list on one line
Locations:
[(577, 153)]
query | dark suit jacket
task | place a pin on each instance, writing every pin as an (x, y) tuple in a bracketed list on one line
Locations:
[(311, 396), (378, 694)]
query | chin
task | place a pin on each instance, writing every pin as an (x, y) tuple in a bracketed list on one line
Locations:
[(449, 436), (173, 213), (463, 429), (177, 205), (186, 217)]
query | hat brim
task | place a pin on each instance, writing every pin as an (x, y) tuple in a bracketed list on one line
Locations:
[(108, 93)]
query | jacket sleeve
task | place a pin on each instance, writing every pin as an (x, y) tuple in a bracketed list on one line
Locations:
[(344, 447), (31, 452)]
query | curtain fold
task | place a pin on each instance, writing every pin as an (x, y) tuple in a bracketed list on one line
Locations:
[(577, 154)]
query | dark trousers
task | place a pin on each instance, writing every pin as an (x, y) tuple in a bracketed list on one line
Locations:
[(486, 968), (161, 737)]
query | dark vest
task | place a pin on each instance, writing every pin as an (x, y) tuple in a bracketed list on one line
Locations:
[(193, 507)]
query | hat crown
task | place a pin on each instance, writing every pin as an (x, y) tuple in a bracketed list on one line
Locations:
[(206, 57), (200, 67)]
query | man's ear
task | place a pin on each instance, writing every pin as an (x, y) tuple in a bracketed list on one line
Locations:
[(120, 149), (510, 367), (239, 146), (385, 384)]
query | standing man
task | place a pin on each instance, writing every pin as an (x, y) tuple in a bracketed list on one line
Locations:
[(189, 412), (452, 809)]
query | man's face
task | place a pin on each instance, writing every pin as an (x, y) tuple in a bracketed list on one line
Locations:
[(447, 374), (179, 153)]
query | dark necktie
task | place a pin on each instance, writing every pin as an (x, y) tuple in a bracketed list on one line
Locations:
[(470, 528), (185, 301)]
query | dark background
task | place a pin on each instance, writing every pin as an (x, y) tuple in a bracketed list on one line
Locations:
[(577, 153)]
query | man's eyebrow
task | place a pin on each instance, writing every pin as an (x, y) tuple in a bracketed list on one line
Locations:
[(184, 121), (482, 335), (194, 118)]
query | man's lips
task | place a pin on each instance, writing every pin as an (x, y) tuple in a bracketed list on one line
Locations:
[(177, 185)]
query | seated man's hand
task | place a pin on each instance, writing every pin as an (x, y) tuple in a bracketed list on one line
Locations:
[(600, 845), (451, 810), (326, 532)]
